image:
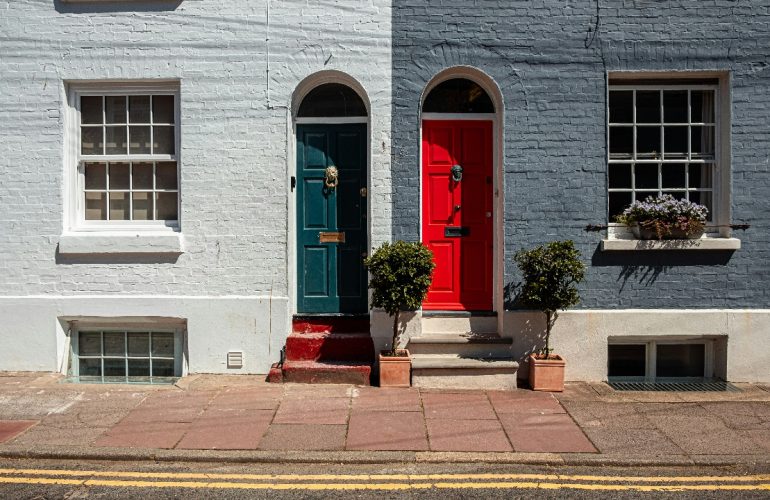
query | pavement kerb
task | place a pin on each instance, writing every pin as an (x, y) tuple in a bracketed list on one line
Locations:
[(370, 457)]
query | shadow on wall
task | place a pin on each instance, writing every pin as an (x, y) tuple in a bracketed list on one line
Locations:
[(645, 267), (122, 258), (85, 7)]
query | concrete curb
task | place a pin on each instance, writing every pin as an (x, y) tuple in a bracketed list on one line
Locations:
[(372, 457)]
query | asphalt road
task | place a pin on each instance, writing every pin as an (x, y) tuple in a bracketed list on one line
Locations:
[(44, 479)]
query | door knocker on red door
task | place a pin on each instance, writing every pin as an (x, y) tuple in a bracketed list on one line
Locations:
[(457, 173), (331, 177)]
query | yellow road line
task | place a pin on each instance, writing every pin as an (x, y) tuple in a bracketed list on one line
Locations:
[(383, 477), (383, 486)]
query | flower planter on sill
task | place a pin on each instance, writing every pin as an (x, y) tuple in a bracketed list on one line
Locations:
[(642, 233), (395, 371), (546, 374)]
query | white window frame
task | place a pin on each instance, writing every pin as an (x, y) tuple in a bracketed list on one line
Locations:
[(651, 359), (74, 179), (720, 218), (177, 330)]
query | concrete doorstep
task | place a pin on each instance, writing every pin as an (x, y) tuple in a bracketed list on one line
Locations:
[(244, 419)]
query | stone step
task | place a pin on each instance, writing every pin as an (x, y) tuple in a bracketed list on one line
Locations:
[(329, 346), (456, 372), (467, 345), (435, 324), (319, 323), (327, 372)]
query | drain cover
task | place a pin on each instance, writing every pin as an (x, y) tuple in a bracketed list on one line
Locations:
[(715, 386)]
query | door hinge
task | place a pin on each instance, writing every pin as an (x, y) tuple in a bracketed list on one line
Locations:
[(293, 183)]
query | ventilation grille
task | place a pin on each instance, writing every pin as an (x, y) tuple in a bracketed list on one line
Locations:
[(235, 359), (715, 386)]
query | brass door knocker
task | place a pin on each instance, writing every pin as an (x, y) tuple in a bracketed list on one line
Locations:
[(331, 177)]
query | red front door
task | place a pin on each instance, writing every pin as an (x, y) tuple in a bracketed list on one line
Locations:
[(457, 214)]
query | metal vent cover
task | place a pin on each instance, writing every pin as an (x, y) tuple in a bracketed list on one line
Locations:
[(713, 386), (235, 359)]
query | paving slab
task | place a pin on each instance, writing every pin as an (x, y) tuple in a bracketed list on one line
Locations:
[(250, 398), (617, 440), (467, 435), (306, 410), (457, 406), (317, 390), (555, 433), (379, 430), (523, 401), (9, 429), (304, 437), (143, 435), (386, 399), (227, 430), (704, 435)]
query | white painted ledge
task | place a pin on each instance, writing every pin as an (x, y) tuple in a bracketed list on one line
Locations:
[(121, 242), (621, 245)]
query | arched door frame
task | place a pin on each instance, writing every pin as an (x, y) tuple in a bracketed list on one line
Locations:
[(300, 92), (493, 91)]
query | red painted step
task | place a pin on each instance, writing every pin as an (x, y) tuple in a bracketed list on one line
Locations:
[(329, 346), (333, 324), (336, 372)]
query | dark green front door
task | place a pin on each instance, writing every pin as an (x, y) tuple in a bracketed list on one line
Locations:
[(331, 222)]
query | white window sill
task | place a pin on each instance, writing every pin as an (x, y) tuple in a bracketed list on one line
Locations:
[(121, 242), (620, 245)]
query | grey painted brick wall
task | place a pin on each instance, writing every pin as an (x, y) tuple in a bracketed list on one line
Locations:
[(549, 58)]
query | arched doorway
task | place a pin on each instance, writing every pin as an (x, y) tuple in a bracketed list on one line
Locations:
[(331, 179), (458, 182)]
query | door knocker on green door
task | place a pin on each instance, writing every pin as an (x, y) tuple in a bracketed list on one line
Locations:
[(331, 177)]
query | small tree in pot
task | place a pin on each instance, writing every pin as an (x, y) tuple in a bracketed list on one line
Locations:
[(401, 274), (551, 273)]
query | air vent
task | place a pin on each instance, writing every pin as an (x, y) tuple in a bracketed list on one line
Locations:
[(235, 359), (715, 386)]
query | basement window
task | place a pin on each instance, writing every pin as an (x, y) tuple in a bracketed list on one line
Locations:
[(126, 356), (660, 360)]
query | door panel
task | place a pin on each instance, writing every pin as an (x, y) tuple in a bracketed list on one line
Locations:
[(330, 275), (463, 276)]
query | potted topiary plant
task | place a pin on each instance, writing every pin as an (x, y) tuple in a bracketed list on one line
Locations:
[(401, 274), (664, 217), (550, 274)]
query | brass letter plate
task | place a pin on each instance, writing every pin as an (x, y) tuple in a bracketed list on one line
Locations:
[(328, 237)]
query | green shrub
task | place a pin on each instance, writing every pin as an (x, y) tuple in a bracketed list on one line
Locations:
[(550, 274), (401, 274)]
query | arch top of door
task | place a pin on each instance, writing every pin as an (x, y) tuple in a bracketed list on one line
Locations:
[(480, 82), (322, 82)]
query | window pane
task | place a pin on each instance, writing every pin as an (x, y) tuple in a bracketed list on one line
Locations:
[(163, 109), (115, 109), (138, 344), (90, 343), (622, 106), (119, 206), (142, 206), (139, 109), (647, 106), (700, 176), (162, 367), (702, 142), (165, 175), (163, 140), (116, 140), (457, 95), (91, 109), (702, 106), (96, 176), (680, 360), (678, 195), (627, 360), (119, 176), (96, 206), (673, 175), (90, 367), (166, 206), (114, 367), (620, 176), (162, 344), (675, 139), (618, 202), (141, 175), (114, 344), (621, 142), (140, 140), (646, 176), (643, 195), (138, 367), (91, 141), (648, 142), (675, 106)]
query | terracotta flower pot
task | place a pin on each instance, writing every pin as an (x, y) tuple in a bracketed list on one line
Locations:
[(395, 371), (546, 374)]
